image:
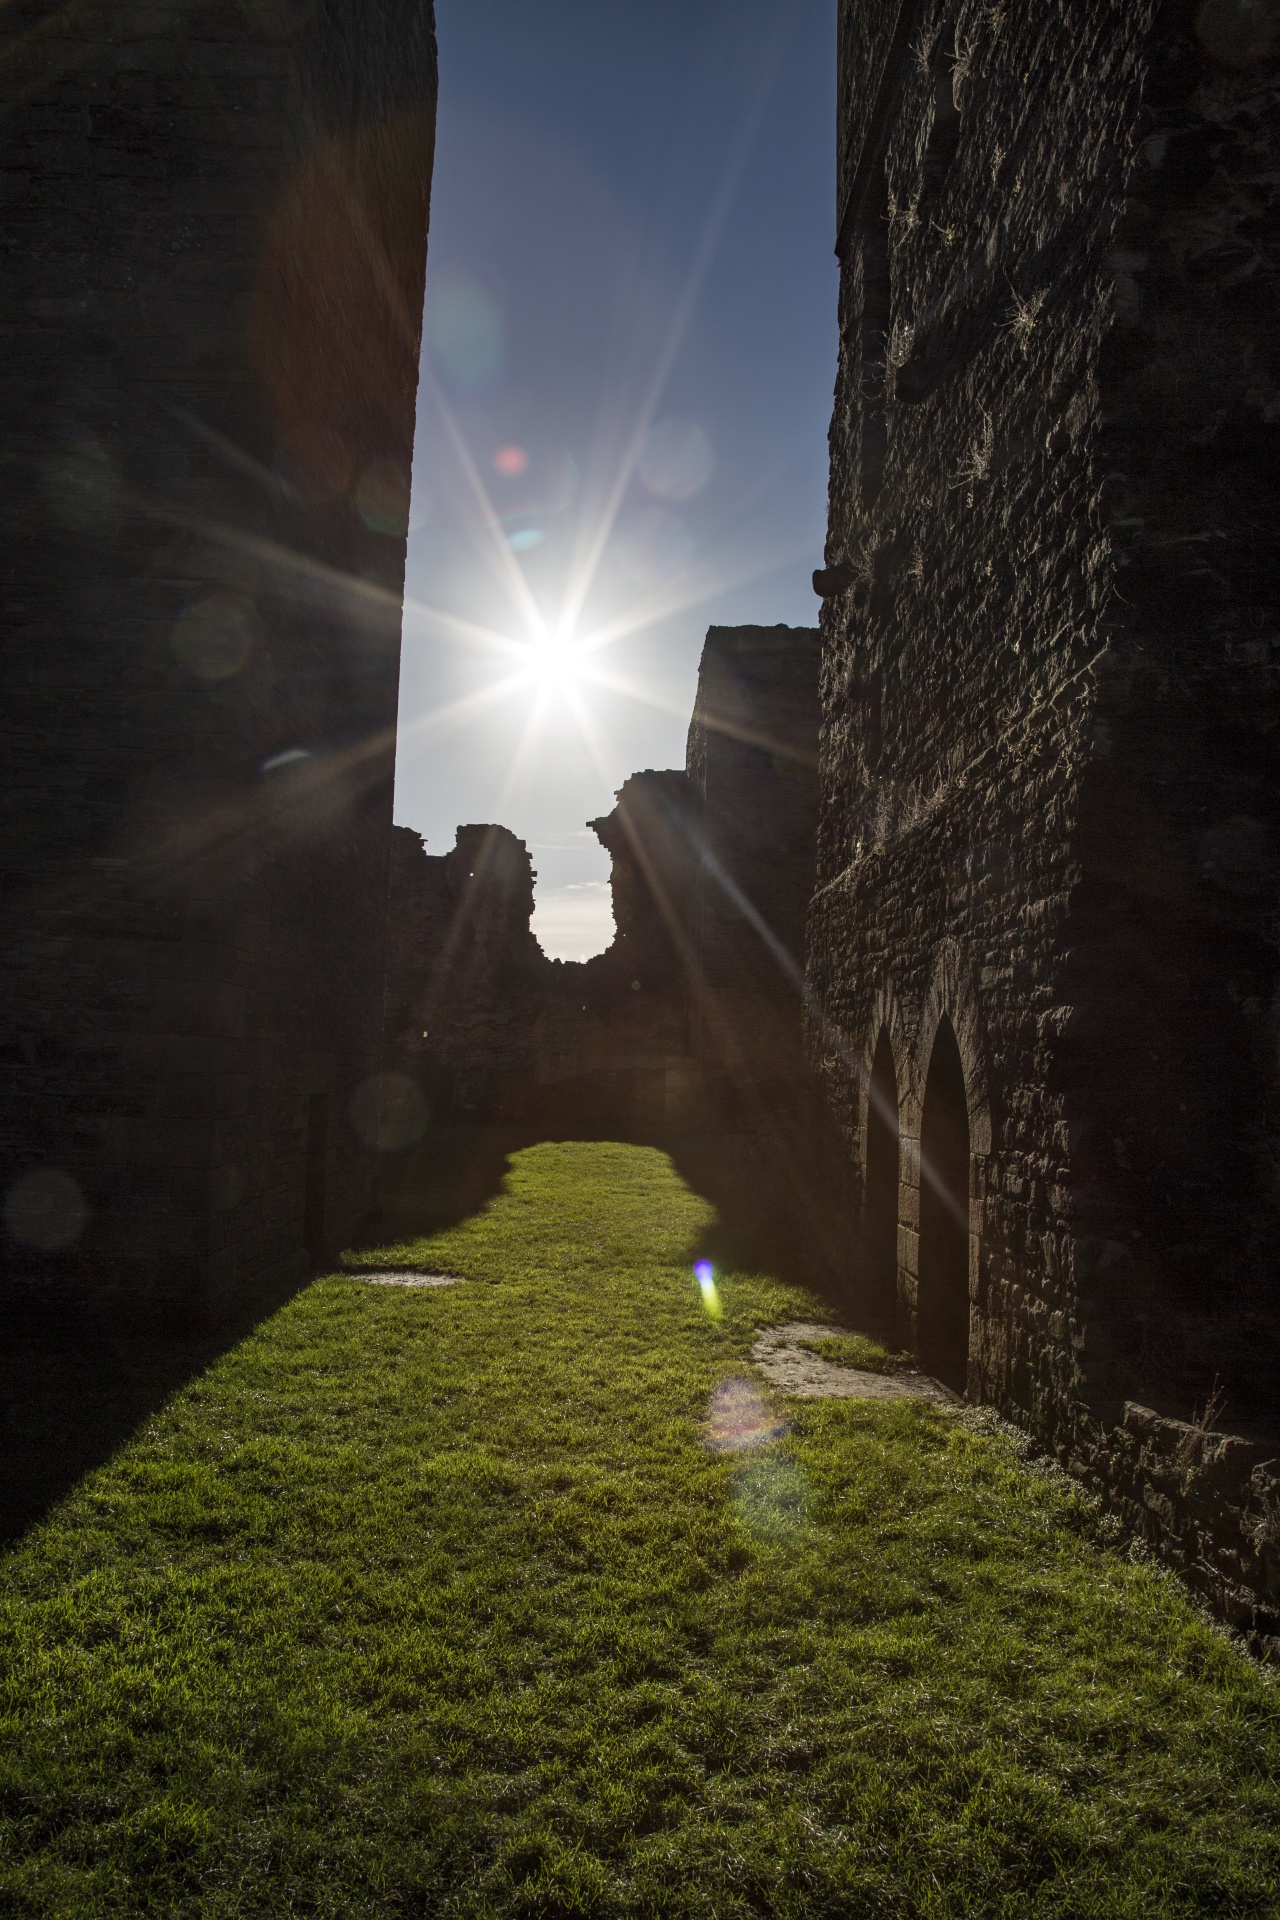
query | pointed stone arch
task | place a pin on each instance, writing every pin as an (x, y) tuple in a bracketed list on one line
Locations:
[(943, 1304), (952, 992), (881, 1181), (888, 1064), (950, 1000), (891, 1015)]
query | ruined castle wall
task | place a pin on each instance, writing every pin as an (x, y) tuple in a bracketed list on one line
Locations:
[(1169, 1059), (965, 612), (466, 977), (752, 763), (484, 1026), (216, 222), (613, 1041), (692, 1016), (752, 760), (1048, 708)]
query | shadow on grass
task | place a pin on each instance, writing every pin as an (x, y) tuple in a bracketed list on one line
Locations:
[(453, 1173), (75, 1384), (448, 1175), (798, 1236)]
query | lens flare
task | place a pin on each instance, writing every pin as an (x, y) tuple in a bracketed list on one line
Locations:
[(739, 1418), (466, 331), (45, 1209), (214, 637), (704, 1274), (675, 461), (773, 1498), (382, 497), (511, 461), (653, 548)]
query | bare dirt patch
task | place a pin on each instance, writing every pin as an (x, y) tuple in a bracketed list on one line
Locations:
[(784, 1360), (413, 1279)]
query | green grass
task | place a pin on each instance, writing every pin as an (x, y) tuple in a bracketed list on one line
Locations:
[(434, 1603), (857, 1350)]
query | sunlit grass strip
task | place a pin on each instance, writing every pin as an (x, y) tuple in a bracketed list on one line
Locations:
[(857, 1350), (437, 1602)]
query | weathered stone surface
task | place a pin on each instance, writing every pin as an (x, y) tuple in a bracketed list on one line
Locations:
[(1050, 708), (692, 1017), (752, 761), (486, 1026), (465, 976), (215, 222)]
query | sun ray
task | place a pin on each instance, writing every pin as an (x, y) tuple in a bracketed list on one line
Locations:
[(632, 690), (318, 583), (508, 565), (466, 706), (591, 733), (713, 226), (458, 628), (719, 723), (530, 732), (682, 599)]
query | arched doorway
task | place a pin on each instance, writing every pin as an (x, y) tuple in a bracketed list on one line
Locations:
[(880, 1196), (942, 1298)]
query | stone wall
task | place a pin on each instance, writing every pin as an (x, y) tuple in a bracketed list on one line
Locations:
[(466, 978), (692, 1017), (216, 225), (483, 1025), (752, 762), (1043, 941)]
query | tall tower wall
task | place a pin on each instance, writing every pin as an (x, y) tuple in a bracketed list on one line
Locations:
[(1050, 715), (216, 222)]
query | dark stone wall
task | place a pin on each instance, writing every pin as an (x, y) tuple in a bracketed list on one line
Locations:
[(613, 1039), (482, 1025), (692, 1017), (215, 228), (1050, 718), (752, 762), (465, 977)]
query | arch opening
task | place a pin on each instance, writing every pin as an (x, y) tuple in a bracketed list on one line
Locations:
[(880, 1194), (942, 1299)]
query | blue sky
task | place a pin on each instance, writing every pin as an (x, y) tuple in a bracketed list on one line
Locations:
[(629, 353)]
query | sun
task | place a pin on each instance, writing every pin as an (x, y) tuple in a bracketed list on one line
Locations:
[(555, 663)]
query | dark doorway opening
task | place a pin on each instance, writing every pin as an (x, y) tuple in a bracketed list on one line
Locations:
[(880, 1201), (313, 1208), (942, 1301)]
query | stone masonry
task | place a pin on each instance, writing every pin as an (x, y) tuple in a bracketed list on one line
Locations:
[(215, 223), (692, 1017), (752, 763), (1043, 946)]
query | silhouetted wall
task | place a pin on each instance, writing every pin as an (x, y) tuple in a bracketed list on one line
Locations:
[(466, 977), (216, 231), (753, 764), (482, 1025), (692, 1017), (1050, 715)]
